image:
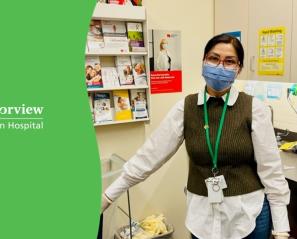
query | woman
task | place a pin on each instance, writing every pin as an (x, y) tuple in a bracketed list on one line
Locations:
[(122, 105), (128, 75), (233, 155), (164, 59), (139, 74)]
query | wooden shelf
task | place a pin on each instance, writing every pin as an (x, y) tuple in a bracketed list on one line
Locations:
[(117, 54), (125, 87), (119, 12), (120, 122)]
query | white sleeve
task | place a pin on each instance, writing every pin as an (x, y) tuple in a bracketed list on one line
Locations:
[(269, 165), (157, 149)]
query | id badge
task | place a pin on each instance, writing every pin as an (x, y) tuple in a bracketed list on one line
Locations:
[(215, 186), (222, 181)]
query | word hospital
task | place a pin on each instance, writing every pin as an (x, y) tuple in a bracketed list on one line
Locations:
[(22, 126)]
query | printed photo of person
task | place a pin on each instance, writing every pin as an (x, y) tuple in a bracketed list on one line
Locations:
[(164, 59), (139, 74), (122, 104), (93, 75), (128, 75), (165, 50)]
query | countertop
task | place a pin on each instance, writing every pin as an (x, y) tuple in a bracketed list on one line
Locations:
[(289, 161)]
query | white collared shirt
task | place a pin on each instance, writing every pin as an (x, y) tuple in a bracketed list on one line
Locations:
[(235, 217)]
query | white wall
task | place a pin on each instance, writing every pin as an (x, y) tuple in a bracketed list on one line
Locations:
[(230, 16), (284, 116), (163, 191), (233, 15)]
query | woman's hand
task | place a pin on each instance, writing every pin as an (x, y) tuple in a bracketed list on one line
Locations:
[(280, 235)]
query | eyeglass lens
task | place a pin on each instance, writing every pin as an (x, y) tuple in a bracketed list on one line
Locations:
[(228, 62)]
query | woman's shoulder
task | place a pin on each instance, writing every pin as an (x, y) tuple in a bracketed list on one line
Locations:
[(191, 97), (245, 95)]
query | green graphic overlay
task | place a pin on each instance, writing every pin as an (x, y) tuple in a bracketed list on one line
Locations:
[(49, 165)]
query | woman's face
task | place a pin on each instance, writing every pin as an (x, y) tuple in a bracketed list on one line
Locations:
[(138, 69), (97, 67), (164, 44), (128, 69), (88, 70), (93, 73), (220, 67), (225, 51)]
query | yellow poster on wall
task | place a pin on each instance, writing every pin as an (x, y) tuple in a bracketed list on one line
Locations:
[(271, 51)]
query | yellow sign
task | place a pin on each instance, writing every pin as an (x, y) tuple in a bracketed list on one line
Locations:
[(271, 51)]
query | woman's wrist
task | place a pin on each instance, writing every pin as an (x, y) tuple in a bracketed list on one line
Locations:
[(280, 234), (107, 198)]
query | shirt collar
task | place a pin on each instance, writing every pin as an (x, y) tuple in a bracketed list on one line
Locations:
[(232, 98)]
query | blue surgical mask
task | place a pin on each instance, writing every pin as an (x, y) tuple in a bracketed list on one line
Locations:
[(217, 77)]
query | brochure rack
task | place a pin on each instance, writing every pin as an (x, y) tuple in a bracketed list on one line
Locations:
[(121, 13)]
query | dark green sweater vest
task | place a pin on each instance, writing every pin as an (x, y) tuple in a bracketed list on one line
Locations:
[(236, 154)]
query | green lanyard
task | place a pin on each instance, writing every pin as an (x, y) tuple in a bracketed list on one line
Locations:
[(214, 156)]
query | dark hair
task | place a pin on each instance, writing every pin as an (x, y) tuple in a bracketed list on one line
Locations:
[(225, 38)]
